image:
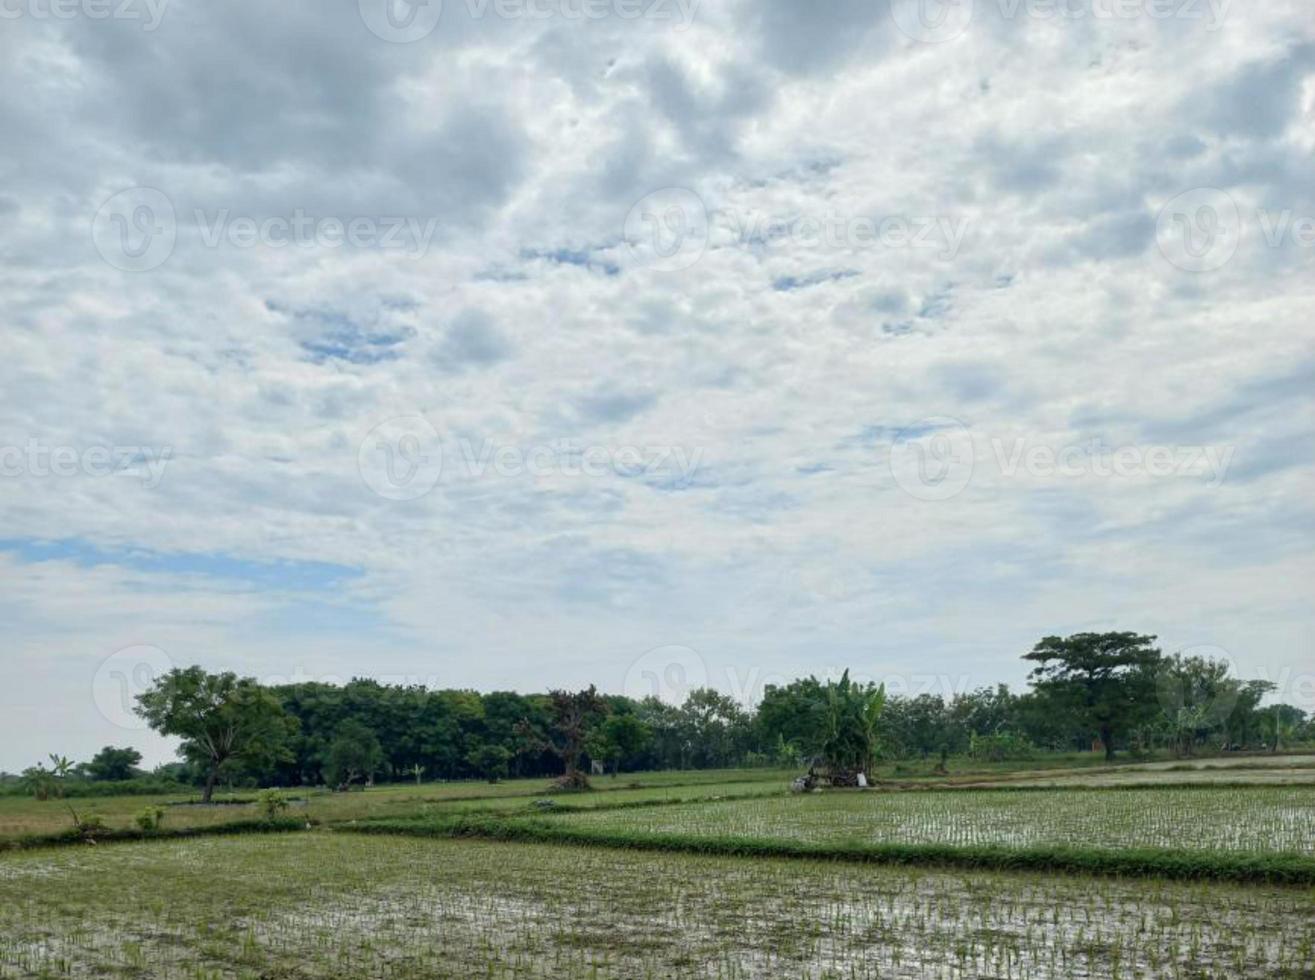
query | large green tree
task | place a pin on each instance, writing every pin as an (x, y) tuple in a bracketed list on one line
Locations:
[(620, 736), (354, 753), (573, 715), (490, 761), (787, 713), (714, 727), (112, 763), (1105, 681), (224, 721)]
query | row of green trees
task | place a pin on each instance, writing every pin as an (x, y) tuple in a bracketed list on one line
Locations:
[(110, 765), (1105, 691)]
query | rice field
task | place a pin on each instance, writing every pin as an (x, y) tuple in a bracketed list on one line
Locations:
[(323, 905), (1277, 770), (24, 815), (1259, 820)]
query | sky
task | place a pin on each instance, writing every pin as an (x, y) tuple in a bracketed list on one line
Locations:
[(518, 344)]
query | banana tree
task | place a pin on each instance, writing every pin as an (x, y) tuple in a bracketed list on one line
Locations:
[(849, 716), (38, 781), (61, 767)]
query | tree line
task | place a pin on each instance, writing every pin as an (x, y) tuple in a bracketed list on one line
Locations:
[(1105, 692)]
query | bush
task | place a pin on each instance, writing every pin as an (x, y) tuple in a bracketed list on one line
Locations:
[(151, 818), (573, 782), (271, 804), (89, 827), (1001, 747), (85, 788)]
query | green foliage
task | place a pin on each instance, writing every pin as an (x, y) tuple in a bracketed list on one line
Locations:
[(354, 754), (1000, 747), (920, 726), (44, 783), (150, 818), (222, 720), (490, 761), (573, 716), (1280, 724), (112, 834), (788, 755), (1106, 681), (113, 764), (442, 735), (848, 715), (88, 827), (788, 714), (39, 781), (272, 804), (619, 737), (85, 788)]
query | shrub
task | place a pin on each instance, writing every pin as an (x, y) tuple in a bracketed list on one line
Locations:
[(574, 781), (89, 827), (271, 803), (150, 818), (1001, 747)]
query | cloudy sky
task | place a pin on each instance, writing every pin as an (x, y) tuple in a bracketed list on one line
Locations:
[(513, 344)]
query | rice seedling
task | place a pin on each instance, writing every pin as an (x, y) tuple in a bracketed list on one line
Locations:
[(1259, 820), (338, 906)]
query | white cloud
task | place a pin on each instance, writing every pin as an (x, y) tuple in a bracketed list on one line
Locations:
[(897, 232)]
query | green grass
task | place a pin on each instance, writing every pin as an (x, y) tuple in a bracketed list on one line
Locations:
[(115, 835), (336, 906), (22, 817)]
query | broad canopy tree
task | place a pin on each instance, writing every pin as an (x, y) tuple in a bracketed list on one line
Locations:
[(787, 713), (490, 760), (1107, 681), (354, 753), (573, 717), (619, 737), (112, 763), (223, 720)]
